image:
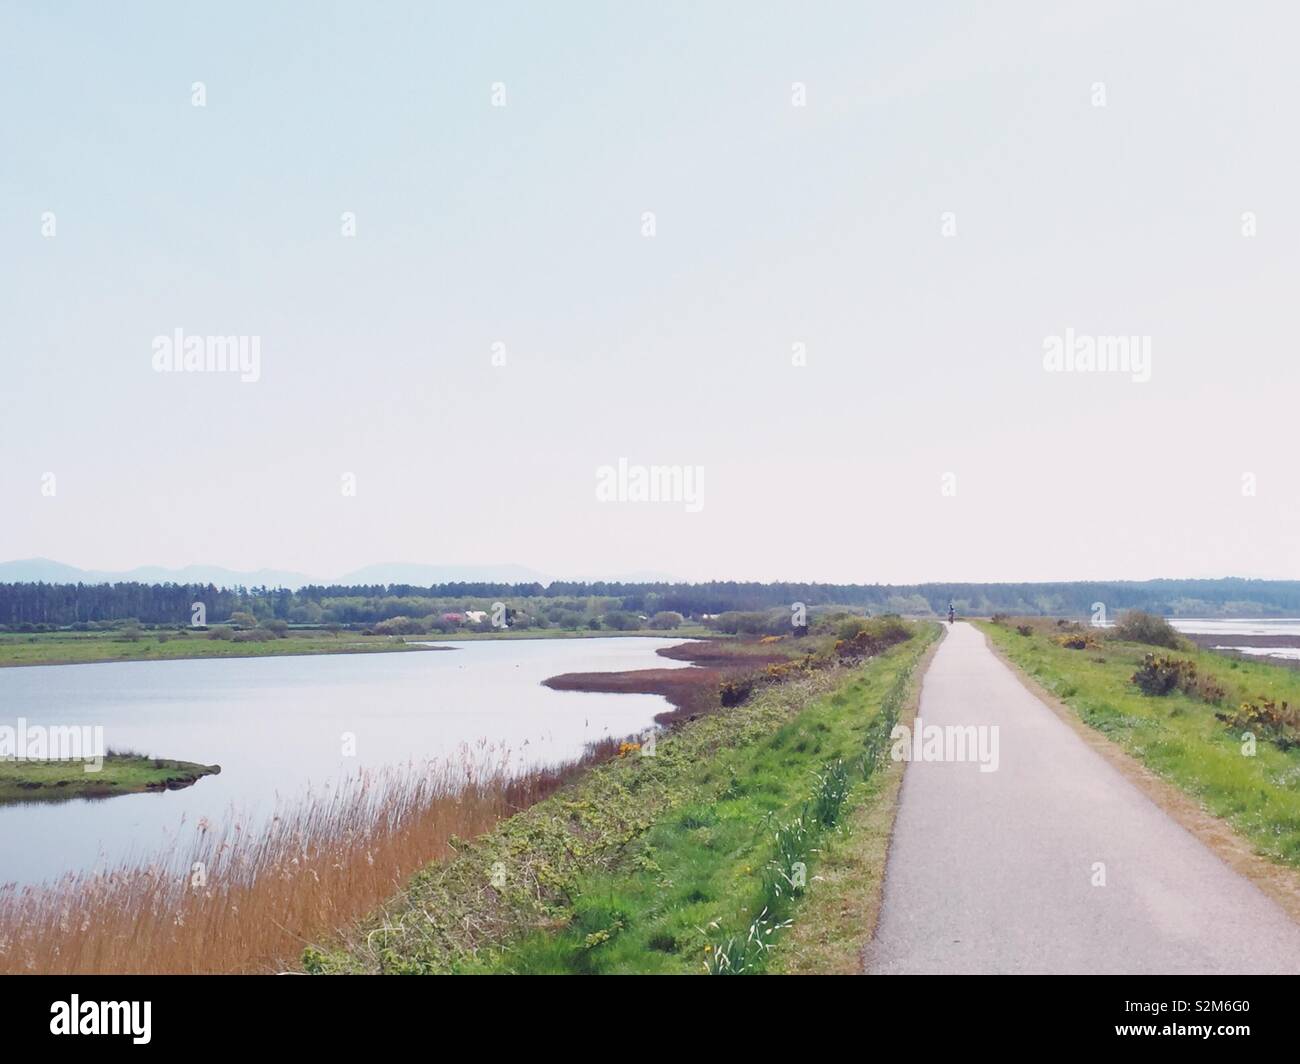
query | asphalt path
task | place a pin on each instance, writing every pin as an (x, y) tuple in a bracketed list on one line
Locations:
[(1053, 862)]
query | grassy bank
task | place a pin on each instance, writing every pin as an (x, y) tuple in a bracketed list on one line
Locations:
[(119, 774), (1255, 788), (651, 863)]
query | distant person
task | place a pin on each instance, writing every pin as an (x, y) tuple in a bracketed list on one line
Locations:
[(952, 613)]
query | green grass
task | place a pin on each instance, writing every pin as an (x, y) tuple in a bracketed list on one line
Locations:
[(644, 862), (119, 774), (685, 631), (75, 648), (700, 878), (1177, 736)]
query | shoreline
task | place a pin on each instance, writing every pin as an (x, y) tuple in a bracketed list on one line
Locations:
[(690, 692)]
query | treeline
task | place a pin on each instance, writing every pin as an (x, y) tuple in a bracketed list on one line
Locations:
[(65, 605)]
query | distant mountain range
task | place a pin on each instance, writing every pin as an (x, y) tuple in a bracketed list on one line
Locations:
[(43, 570)]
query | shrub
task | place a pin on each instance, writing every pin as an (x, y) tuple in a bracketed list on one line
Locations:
[(870, 637), (666, 619), (731, 692), (1137, 626), (1159, 675), (1000, 618), (1207, 689), (222, 632), (737, 622), (1076, 641), (1024, 629), (1278, 724), (784, 670), (400, 626)]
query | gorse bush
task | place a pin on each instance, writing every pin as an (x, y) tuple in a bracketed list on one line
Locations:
[(1159, 676), (1136, 626), (860, 638), (733, 691), (864, 638), (1272, 721), (1204, 687), (784, 670), (1076, 641)]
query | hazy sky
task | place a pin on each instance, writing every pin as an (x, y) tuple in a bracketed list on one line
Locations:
[(774, 225)]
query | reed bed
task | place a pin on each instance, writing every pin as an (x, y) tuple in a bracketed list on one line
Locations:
[(231, 897)]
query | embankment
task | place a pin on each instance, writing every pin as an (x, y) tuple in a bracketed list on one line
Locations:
[(647, 863)]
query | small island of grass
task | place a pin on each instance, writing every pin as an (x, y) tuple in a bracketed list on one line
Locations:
[(121, 773)]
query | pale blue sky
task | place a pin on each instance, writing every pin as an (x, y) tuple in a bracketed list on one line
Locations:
[(775, 225)]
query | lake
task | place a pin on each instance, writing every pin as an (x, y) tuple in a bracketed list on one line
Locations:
[(1265, 637), (278, 726)]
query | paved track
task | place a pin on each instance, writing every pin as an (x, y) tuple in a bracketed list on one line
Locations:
[(993, 871)]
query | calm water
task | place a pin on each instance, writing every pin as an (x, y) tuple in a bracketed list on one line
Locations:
[(1263, 632), (276, 727), (1246, 626)]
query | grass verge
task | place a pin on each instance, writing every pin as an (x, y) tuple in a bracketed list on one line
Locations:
[(838, 916), (1255, 787)]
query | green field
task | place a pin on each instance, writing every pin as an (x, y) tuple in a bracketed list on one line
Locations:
[(120, 774), (72, 648), (648, 864), (685, 631), (1175, 735)]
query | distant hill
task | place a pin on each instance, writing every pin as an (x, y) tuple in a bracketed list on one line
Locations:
[(42, 570)]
